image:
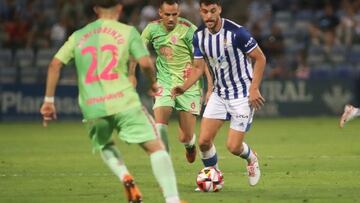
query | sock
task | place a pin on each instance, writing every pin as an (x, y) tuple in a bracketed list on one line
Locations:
[(164, 173), (172, 199), (209, 158), (247, 153), (163, 130), (191, 143), (357, 114), (113, 160)]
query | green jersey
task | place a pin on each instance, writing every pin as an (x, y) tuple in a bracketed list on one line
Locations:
[(101, 51), (174, 51)]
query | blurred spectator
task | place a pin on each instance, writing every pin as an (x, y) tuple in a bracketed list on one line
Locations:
[(148, 13), (58, 33), (8, 10), (190, 10), (40, 33), (273, 44), (302, 68), (131, 11), (347, 24), (16, 32), (328, 19)]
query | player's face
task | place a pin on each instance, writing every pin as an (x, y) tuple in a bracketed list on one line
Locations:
[(211, 16), (169, 14)]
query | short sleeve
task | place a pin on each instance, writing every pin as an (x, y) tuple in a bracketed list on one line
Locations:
[(244, 40), (146, 35), (197, 50), (137, 47), (66, 52), (189, 38)]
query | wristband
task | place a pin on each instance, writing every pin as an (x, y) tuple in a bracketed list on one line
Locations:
[(49, 99)]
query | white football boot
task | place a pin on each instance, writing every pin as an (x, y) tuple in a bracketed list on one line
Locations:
[(253, 170), (349, 114)]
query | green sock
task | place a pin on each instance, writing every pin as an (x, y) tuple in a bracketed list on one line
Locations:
[(164, 173), (113, 160), (163, 130)]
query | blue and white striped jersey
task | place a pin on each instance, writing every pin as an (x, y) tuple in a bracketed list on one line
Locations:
[(225, 54)]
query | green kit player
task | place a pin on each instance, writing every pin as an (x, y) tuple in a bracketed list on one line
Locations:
[(171, 37), (107, 98)]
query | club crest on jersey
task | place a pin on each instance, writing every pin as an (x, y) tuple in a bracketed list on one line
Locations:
[(174, 39)]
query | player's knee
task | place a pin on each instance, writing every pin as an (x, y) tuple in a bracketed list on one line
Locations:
[(205, 145), (185, 138), (234, 149)]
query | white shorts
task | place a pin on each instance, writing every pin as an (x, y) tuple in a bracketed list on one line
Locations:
[(238, 111)]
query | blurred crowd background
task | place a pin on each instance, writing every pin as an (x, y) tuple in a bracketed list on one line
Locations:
[(302, 39)]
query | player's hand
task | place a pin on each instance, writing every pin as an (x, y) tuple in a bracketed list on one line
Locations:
[(177, 91), (154, 90), (48, 112), (133, 80), (255, 99)]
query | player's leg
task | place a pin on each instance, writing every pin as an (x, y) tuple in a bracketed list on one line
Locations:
[(239, 148), (162, 115), (100, 131), (163, 107), (241, 119), (350, 112), (163, 170), (137, 126), (188, 105), (213, 118), (208, 130), (187, 136)]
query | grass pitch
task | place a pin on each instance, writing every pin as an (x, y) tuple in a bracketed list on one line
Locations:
[(302, 160)]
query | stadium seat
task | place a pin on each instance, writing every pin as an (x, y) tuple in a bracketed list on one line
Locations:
[(5, 57)]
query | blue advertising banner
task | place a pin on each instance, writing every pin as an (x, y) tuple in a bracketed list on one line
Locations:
[(22, 102), (283, 98), (306, 97)]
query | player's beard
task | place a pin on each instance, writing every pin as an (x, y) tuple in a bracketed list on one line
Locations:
[(211, 24)]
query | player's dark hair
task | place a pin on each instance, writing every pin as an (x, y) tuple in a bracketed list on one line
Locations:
[(208, 2), (106, 3), (170, 2)]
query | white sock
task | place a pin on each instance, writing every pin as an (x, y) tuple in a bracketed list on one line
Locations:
[(115, 164), (247, 153), (209, 158), (174, 199), (357, 114), (191, 143)]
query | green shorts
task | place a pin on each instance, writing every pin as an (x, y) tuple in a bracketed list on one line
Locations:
[(189, 101), (132, 126)]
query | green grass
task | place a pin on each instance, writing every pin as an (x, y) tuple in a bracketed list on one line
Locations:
[(302, 160)]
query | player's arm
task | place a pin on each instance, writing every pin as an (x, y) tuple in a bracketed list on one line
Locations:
[(145, 38), (255, 98), (197, 71), (148, 69), (248, 45), (63, 56), (48, 110), (141, 55), (132, 71)]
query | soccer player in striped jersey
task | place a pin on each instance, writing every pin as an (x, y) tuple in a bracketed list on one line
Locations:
[(237, 64), (171, 37), (108, 100), (350, 112)]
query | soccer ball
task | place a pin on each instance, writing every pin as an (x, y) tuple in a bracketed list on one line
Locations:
[(210, 179)]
